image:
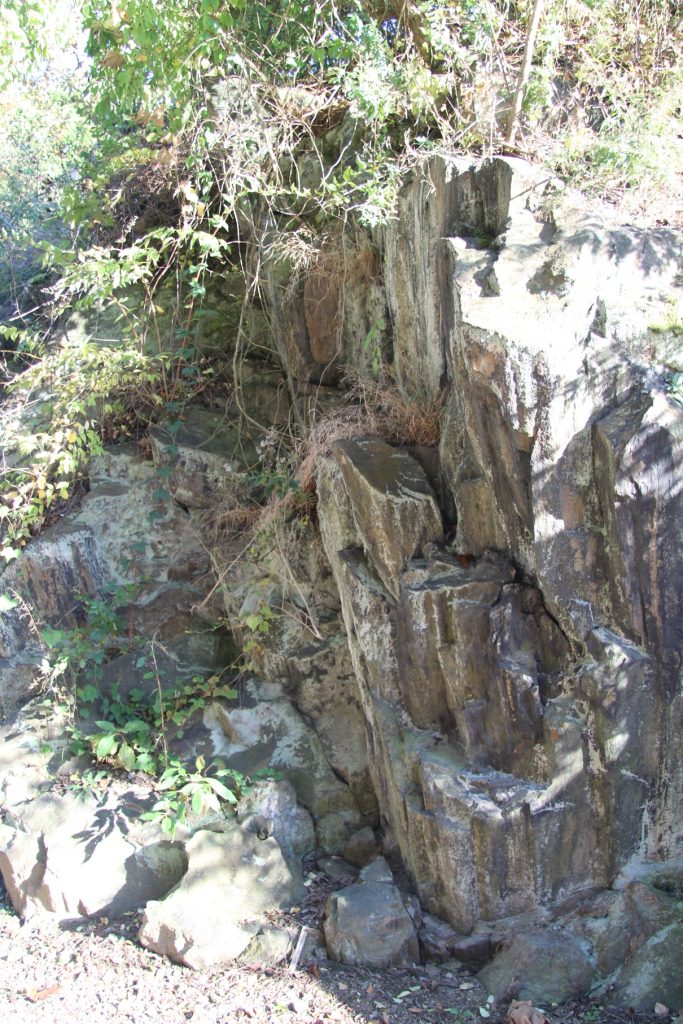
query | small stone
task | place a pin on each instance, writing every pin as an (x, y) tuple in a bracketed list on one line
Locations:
[(367, 924), (377, 871), (361, 847)]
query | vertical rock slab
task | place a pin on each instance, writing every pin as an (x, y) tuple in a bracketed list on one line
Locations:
[(393, 505), (453, 679), (638, 458), (453, 198)]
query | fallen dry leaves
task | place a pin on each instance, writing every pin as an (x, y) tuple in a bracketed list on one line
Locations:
[(522, 1011)]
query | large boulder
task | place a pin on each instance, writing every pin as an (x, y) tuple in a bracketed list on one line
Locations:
[(545, 966), (653, 974), (233, 880), (76, 858)]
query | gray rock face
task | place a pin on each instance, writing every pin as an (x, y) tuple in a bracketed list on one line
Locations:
[(488, 667), (522, 686), (653, 974), (128, 531), (233, 878), (206, 458), (541, 966), (367, 923), (394, 507), (271, 809), (617, 924)]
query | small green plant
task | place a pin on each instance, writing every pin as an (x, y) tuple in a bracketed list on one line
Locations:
[(672, 319), (675, 387), (202, 790), (89, 784), (258, 623), (132, 733)]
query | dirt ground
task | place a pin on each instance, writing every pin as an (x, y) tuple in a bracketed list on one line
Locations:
[(95, 972)]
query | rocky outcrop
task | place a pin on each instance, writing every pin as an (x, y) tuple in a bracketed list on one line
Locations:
[(76, 858), (479, 650), (521, 684)]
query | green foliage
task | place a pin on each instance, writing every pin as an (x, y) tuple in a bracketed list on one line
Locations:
[(201, 791), (67, 403), (133, 733), (31, 31)]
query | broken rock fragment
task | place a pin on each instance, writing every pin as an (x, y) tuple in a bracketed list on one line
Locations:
[(367, 922)]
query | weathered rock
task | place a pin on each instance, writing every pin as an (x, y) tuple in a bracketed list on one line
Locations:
[(271, 946), (272, 734), (76, 859), (516, 732), (653, 974), (544, 966), (473, 950), (367, 923), (207, 456), (393, 506), (437, 939), (270, 808), (361, 847), (64, 562), (618, 923), (233, 879)]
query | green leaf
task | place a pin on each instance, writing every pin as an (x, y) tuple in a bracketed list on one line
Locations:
[(127, 757), (222, 791), (7, 603), (168, 781), (146, 763), (197, 802), (136, 725), (106, 746), (88, 694)]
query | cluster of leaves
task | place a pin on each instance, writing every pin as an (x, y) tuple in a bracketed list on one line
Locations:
[(133, 733), (62, 409)]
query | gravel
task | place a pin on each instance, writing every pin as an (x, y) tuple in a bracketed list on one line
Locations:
[(94, 972)]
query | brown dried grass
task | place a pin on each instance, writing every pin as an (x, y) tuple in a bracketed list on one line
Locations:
[(371, 409)]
